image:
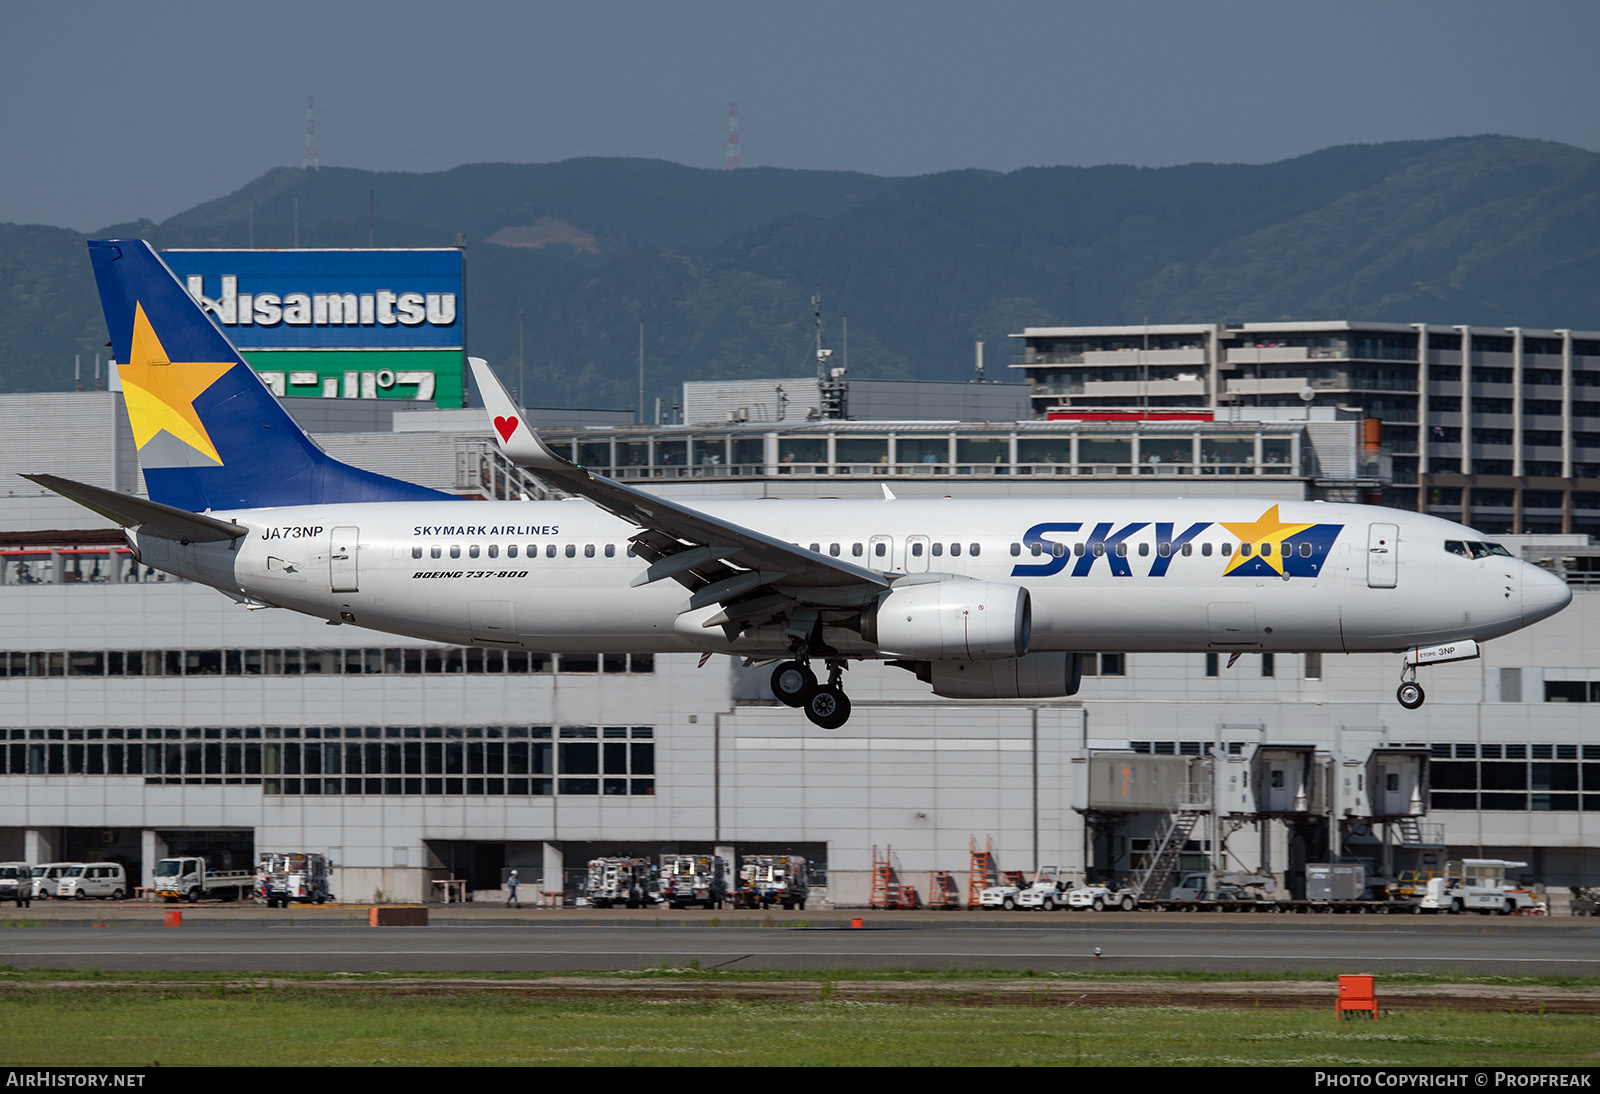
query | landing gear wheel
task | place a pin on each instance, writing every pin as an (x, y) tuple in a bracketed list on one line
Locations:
[(828, 707), (793, 683), (1410, 695)]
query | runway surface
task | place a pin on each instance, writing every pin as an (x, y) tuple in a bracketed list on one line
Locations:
[(339, 940)]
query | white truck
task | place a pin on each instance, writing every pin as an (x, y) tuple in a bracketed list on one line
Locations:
[(1477, 885), (293, 877), (628, 881), (693, 879), (191, 878), (765, 880)]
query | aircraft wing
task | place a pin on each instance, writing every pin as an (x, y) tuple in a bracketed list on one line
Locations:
[(751, 574)]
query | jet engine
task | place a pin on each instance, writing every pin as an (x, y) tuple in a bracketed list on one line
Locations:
[(1036, 676), (950, 619)]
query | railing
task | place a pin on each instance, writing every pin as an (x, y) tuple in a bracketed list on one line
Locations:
[(481, 468)]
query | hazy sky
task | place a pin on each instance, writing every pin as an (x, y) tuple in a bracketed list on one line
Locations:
[(124, 110)]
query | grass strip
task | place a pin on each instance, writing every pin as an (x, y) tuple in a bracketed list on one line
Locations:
[(303, 1025)]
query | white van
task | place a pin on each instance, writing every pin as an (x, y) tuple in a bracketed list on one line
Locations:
[(16, 883), (100, 879), (47, 878)]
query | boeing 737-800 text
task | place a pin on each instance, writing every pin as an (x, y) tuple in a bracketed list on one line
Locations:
[(982, 599)]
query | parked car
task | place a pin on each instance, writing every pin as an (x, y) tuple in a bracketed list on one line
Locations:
[(47, 878), (16, 883), (97, 879)]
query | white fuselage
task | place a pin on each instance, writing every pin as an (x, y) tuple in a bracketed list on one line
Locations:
[(554, 576)]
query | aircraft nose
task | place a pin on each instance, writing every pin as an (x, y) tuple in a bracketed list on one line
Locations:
[(1543, 594)]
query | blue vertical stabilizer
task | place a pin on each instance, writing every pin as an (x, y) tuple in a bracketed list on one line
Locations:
[(209, 433)]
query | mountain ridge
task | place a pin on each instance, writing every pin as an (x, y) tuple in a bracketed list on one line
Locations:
[(720, 265)]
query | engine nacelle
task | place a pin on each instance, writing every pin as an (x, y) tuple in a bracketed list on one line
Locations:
[(951, 619), (1036, 676)]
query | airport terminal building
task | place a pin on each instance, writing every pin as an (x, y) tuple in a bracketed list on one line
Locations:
[(145, 716)]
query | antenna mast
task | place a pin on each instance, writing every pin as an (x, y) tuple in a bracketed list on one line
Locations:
[(309, 158), (733, 158), (832, 387)]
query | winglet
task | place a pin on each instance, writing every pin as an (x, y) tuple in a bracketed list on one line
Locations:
[(888, 495), (520, 443)]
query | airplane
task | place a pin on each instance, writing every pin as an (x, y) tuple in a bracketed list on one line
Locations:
[(981, 599)]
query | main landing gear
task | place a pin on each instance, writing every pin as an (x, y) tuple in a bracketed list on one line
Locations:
[(796, 685)]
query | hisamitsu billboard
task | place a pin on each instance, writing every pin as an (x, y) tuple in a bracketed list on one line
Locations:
[(338, 323)]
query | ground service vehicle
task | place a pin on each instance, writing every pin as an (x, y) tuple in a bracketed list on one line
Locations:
[(47, 878), (1048, 890), (613, 881), (193, 879), (693, 879), (1477, 885), (979, 598), (1000, 896), (98, 879), (765, 880), (16, 883), (1100, 897), (293, 877)]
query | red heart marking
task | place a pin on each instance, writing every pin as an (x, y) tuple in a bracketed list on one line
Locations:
[(505, 427)]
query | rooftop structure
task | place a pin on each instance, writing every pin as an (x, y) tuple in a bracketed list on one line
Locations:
[(1497, 427)]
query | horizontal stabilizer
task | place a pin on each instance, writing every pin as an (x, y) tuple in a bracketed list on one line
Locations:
[(149, 517)]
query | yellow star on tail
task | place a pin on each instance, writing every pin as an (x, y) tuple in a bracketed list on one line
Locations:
[(1268, 529), (160, 394)]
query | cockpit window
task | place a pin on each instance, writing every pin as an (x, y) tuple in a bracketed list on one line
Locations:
[(1496, 549), (1456, 547)]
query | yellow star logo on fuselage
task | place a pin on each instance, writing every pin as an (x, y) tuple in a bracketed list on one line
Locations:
[(1267, 529), (160, 394)]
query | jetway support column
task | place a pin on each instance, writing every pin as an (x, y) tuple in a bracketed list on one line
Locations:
[(555, 875)]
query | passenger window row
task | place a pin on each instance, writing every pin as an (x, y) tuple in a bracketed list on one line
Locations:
[(1164, 549), (513, 550), (881, 550), (295, 661)]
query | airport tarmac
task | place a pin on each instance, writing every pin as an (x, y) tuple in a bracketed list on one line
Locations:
[(488, 938)]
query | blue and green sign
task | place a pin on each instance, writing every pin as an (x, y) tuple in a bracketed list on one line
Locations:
[(385, 324)]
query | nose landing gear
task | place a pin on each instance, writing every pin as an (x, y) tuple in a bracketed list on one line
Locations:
[(1410, 694)]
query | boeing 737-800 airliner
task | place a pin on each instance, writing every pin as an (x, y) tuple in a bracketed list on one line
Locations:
[(982, 599)]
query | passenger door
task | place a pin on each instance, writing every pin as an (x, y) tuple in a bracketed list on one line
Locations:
[(343, 548), (1383, 555)]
